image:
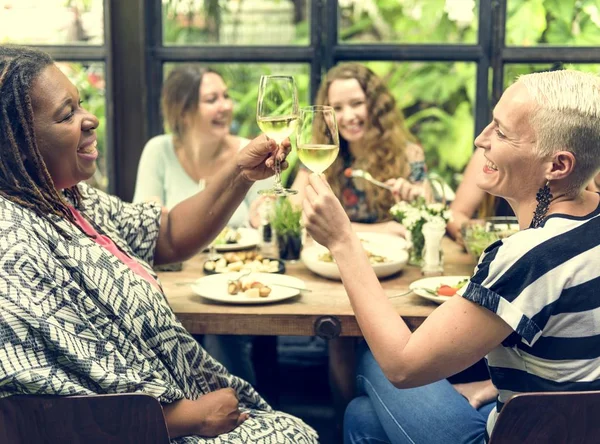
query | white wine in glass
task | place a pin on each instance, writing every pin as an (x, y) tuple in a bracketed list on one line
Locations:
[(277, 117), (317, 137)]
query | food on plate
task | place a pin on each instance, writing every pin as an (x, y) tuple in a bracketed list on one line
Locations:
[(478, 236), (242, 260), (450, 290), (249, 287), (373, 258), (227, 236)]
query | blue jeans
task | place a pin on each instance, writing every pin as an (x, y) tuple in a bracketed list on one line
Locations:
[(432, 414)]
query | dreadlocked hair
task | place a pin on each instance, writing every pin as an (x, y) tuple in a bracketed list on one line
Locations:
[(24, 178)]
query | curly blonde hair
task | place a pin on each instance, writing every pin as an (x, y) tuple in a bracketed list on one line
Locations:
[(383, 150)]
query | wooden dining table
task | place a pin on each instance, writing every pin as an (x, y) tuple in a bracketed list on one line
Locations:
[(325, 311), (305, 315)]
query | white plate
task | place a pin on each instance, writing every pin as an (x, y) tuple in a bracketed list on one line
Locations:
[(214, 287), (389, 246), (432, 283), (249, 237)]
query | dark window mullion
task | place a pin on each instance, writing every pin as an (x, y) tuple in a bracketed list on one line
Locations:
[(542, 54), (437, 53), (331, 29), (79, 53), (154, 66), (318, 44), (109, 112), (259, 54), (482, 100), (498, 42)]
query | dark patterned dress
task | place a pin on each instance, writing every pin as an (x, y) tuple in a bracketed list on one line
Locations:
[(75, 320), (354, 197)]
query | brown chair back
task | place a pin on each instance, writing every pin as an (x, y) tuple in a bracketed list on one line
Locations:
[(557, 418), (107, 419)]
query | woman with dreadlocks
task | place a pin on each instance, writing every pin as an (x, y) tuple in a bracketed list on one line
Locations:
[(81, 310)]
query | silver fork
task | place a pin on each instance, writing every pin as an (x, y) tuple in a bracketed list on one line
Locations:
[(367, 176)]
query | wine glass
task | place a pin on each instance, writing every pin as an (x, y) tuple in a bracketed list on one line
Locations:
[(318, 142), (277, 116)]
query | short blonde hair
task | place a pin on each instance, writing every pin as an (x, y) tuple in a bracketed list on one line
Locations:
[(567, 117)]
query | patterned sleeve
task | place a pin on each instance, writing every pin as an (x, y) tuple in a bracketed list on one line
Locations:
[(53, 333), (416, 162), (137, 224), (514, 280)]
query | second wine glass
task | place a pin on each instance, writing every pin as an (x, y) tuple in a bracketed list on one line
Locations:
[(277, 116), (317, 137)]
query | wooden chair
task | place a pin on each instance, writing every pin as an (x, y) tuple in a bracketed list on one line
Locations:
[(106, 419), (557, 418)]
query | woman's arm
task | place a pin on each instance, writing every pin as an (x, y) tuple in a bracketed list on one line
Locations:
[(300, 183), (478, 393), (194, 222), (150, 181), (594, 184), (415, 185), (453, 337), (468, 196)]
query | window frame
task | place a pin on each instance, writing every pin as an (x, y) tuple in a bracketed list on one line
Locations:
[(134, 54), (101, 54)]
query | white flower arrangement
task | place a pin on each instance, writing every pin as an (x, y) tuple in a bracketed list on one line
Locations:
[(418, 212), (413, 215)]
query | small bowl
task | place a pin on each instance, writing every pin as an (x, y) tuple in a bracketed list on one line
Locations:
[(478, 234)]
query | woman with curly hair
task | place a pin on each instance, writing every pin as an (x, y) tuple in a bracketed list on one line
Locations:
[(372, 138)]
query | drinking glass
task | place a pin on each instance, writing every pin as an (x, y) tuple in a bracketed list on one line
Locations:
[(277, 117), (318, 142)]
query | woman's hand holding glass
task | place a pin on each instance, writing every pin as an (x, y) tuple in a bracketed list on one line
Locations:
[(257, 160), (323, 215), (277, 117), (318, 142)]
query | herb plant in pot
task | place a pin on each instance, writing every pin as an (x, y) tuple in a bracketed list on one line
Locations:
[(285, 221)]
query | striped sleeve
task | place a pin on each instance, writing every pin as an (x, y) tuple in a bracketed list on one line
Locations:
[(523, 278), (486, 288)]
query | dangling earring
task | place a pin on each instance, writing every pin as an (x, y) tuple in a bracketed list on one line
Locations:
[(543, 197)]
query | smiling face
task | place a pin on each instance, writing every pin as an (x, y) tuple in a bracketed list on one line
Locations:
[(215, 109), (64, 130), (513, 170), (350, 104)]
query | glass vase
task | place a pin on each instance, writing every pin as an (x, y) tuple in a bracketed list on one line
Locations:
[(289, 246), (417, 242)]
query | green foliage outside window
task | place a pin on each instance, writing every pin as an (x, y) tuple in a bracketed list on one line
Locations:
[(552, 23), (437, 98)]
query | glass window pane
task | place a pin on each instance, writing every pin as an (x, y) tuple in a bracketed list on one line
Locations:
[(234, 22), (555, 23), (437, 100), (89, 80), (408, 21), (242, 80), (52, 22)]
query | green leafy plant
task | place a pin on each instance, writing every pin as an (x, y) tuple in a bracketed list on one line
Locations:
[(285, 218)]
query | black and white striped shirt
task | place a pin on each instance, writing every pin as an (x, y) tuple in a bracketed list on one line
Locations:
[(544, 283)]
